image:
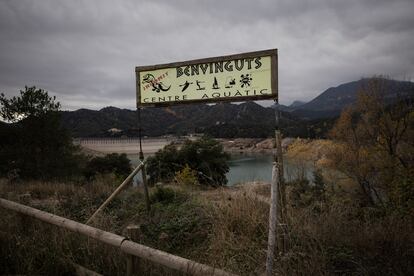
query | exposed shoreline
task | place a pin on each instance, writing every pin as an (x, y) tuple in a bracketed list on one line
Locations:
[(99, 146)]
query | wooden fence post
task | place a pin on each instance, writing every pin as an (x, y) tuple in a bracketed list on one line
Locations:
[(141, 157), (282, 211), (273, 217), (133, 263)]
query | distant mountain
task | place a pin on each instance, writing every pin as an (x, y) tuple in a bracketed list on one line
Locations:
[(331, 102), (220, 120), (296, 104), (291, 107), (226, 120)]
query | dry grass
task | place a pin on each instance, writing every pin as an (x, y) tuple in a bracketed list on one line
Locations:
[(348, 239), (226, 228), (239, 233), (333, 237)]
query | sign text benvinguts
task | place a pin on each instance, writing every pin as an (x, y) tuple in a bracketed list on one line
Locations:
[(248, 76)]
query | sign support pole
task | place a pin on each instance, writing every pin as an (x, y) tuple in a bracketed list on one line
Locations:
[(141, 157), (271, 245), (278, 199), (281, 187)]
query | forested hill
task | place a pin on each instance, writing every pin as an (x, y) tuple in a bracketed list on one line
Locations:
[(331, 102), (221, 120), (249, 119)]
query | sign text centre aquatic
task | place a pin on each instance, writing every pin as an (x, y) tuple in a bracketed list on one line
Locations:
[(249, 76)]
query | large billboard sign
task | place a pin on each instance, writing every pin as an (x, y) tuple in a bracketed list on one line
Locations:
[(241, 77)]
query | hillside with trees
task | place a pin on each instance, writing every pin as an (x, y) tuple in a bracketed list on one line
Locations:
[(226, 120), (332, 101)]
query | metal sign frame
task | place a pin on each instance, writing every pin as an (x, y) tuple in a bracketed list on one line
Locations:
[(277, 184), (272, 53)]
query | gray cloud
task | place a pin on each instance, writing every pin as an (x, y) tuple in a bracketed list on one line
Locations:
[(84, 52)]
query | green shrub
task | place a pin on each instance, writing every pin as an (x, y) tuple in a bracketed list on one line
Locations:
[(303, 193), (115, 163), (204, 156), (186, 177), (163, 195), (178, 224)]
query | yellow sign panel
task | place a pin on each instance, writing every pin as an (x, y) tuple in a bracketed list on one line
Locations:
[(250, 76)]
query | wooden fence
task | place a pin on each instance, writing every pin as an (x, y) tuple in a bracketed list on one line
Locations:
[(122, 243)]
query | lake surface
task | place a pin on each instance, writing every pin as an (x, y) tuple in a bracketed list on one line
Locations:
[(258, 167), (247, 167)]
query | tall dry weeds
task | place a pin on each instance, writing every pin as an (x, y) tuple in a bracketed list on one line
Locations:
[(239, 233), (337, 236)]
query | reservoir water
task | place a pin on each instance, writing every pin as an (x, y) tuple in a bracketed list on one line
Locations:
[(247, 167), (258, 167)]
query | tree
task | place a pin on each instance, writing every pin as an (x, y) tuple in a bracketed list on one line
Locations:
[(164, 164), (376, 142), (34, 143), (204, 156), (31, 103)]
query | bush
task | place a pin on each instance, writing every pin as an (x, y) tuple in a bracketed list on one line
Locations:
[(204, 156), (163, 195), (304, 194), (301, 193), (177, 223), (115, 163), (186, 177)]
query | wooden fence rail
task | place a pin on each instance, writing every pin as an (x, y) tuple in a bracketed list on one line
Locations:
[(122, 243)]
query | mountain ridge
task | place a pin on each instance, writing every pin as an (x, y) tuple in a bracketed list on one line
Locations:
[(247, 119), (331, 102)]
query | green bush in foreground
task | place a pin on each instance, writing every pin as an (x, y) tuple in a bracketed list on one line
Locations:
[(204, 156)]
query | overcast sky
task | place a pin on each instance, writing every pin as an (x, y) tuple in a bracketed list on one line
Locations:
[(85, 52)]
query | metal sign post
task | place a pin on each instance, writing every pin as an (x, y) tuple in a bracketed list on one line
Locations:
[(277, 213), (281, 187), (141, 157)]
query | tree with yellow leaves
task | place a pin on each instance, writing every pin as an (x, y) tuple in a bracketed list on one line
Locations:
[(376, 145)]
